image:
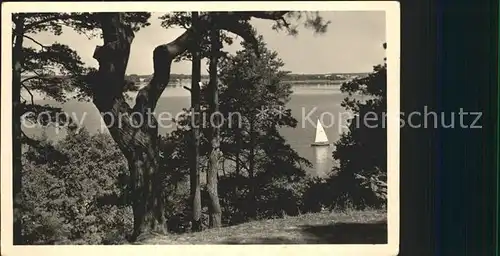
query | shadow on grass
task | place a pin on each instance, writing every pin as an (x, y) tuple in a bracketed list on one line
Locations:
[(349, 233), (263, 240), (338, 233)]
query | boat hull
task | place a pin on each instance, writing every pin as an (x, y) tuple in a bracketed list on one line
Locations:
[(319, 144)]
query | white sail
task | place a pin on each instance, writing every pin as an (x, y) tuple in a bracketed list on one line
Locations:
[(320, 133)]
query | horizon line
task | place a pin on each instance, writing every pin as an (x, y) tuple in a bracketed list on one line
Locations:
[(330, 73)]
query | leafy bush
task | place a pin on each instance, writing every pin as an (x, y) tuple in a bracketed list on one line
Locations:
[(360, 179), (73, 192), (275, 198), (313, 195)]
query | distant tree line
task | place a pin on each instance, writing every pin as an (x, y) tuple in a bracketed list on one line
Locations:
[(303, 78)]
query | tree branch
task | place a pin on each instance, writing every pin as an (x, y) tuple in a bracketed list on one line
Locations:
[(29, 78), (35, 41), (163, 56), (285, 23), (241, 29), (38, 76), (54, 18), (31, 94), (268, 15)]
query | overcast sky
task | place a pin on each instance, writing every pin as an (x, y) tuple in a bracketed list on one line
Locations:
[(352, 43)]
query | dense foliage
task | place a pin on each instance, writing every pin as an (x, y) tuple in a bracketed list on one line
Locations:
[(74, 191), (360, 179), (51, 70)]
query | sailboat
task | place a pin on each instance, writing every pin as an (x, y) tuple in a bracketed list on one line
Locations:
[(321, 138)]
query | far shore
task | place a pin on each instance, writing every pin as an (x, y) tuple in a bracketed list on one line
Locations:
[(297, 90), (181, 92)]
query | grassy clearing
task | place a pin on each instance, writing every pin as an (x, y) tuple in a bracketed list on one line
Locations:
[(350, 227)]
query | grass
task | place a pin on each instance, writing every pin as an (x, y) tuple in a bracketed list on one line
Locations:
[(349, 227)]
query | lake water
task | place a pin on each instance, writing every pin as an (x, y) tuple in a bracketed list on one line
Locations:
[(307, 105)]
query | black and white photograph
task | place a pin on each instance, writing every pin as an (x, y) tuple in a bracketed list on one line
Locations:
[(200, 123)]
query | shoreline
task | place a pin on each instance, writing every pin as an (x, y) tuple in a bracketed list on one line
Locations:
[(296, 90), (181, 92)]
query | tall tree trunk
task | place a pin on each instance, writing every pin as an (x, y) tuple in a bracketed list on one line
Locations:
[(251, 171), (224, 167), (139, 144), (16, 127), (147, 199), (195, 154), (238, 150), (238, 138), (214, 205), (237, 157), (134, 129)]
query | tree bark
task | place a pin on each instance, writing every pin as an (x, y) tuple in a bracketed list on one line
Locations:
[(251, 171), (214, 205), (238, 150), (195, 146), (237, 157), (134, 129), (223, 167), (16, 127)]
